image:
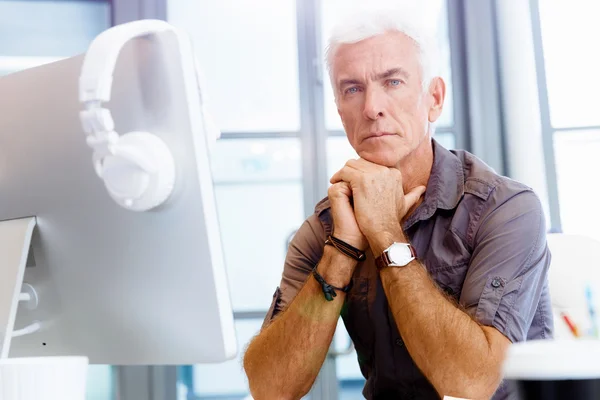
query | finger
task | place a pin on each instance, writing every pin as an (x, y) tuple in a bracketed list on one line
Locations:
[(340, 189), (363, 165), (358, 164), (335, 178), (345, 174), (411, 198), (340, 193)]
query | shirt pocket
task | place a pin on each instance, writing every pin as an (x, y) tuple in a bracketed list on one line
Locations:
[(450, 278)]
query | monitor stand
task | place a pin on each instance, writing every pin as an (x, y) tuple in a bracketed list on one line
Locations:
[(15, 242)]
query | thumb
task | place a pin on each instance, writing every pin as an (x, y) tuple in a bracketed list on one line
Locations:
[(340, 191), (411, 198)]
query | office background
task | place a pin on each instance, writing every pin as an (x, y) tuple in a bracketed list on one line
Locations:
[(523, 80)]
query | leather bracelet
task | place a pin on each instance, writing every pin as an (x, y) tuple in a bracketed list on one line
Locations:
[(329, 290), (345, 248)]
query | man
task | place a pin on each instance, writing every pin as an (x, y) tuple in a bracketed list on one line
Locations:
[(438, 324)]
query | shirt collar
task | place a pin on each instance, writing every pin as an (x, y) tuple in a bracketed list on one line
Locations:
[(445, 187)]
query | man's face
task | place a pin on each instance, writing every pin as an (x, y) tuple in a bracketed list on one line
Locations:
[(380, 97)]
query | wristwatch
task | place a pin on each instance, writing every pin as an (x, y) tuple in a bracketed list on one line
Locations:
[(397, 255)]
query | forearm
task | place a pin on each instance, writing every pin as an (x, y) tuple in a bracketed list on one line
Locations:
[(285, 358), (451, 349)]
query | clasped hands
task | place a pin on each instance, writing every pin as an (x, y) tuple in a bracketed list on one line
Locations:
[(368, 204)]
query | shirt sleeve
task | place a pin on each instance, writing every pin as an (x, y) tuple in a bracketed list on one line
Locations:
[(304, 252), (509, 265)]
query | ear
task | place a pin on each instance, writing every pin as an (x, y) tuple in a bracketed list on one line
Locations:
[(437, 93)]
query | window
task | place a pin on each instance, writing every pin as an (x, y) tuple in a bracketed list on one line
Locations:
[(576, 157), (253, 89), (571, 72), (249, 51), (570, 109), (258, 191), (37, 32)]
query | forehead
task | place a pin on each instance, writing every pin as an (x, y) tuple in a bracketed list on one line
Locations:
[(376, 55)]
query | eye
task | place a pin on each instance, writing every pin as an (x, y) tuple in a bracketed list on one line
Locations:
[(395, 82), (352, 90)]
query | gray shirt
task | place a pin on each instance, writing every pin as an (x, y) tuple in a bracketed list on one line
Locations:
[(482, 238)]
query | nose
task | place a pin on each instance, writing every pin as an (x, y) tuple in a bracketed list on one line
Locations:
[(373, 108)]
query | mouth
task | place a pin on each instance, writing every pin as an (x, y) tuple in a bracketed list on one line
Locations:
[(376, 135)]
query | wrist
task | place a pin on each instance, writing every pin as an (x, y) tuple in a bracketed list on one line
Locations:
[(336, 268), (359, 243), (381, 241)]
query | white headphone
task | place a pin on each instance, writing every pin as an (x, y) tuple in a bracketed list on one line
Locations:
[(137, 168)]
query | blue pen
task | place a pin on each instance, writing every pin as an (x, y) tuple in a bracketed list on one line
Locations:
[(591, 310)]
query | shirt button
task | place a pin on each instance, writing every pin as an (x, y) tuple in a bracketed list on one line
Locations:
[(399, 342), (496, 283)]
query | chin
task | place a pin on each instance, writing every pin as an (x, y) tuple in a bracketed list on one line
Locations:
[(386, 158), (387, 151)]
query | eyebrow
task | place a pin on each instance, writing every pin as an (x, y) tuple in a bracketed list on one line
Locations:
[(385, 75), (393, 72)]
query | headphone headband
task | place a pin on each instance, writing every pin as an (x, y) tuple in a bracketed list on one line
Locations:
[(95, 82)]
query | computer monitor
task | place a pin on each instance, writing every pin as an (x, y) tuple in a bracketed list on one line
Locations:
[(118, 286)]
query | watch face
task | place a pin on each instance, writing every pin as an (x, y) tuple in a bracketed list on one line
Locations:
[(399, 254)]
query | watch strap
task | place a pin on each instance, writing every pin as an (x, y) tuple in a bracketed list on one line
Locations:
[(383, 261)]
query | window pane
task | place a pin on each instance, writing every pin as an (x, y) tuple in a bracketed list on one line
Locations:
[(50, 28), (443, 38), (260, 203), (33, 33), (100, 385), (570, 32), (446, 139), (248, 53), (331, 9), (339, 152), (578, 192)]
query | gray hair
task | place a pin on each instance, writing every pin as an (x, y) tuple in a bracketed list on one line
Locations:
[(365, 23)]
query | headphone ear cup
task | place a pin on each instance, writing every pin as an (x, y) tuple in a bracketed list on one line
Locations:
[(139, 171)]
